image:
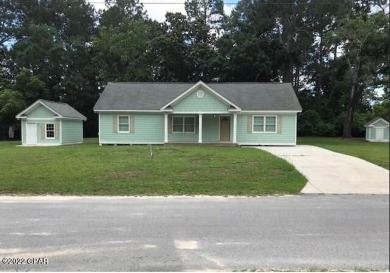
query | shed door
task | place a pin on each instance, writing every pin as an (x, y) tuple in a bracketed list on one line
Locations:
[(31, 133), (224, 128), (380, 133)]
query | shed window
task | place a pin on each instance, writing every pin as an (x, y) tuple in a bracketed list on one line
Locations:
[(183, 124), (50, 131), (123, 124), (264, 124)]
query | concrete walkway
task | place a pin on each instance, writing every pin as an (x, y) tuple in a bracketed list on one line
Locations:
[(333, 173)]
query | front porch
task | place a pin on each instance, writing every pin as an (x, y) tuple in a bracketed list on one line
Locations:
[(200, 128)]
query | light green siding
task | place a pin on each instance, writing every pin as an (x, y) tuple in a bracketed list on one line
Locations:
[(379, 123), (208, 103), (72, 131), (65, 131), (286, 136), (210, 128), (42, 132), (148, 128), (41, 112), (386, 137), (371, 134), (23, 131), (368, 133)]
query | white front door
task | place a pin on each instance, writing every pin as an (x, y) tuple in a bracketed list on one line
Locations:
[(380, 133), (31, 134)]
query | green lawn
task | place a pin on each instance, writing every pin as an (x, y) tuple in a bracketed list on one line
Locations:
[(90, 169), (377, 153)]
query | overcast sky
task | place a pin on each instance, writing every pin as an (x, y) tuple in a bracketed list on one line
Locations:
[(157, 8)]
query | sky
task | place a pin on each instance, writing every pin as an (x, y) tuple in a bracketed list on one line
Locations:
[(157, 8)]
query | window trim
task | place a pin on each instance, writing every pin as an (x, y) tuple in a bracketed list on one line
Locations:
[(183, 117), (128, 124), (54, 131), (264, 124)]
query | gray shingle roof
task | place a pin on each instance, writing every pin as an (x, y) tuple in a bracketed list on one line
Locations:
[(63, 109), (374, 120), (153, 96)]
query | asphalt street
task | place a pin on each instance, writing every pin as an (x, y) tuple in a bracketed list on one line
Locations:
[(194, 233)]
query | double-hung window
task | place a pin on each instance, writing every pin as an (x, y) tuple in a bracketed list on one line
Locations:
[(50, 133), (183, 124), (264, 124), (123, 124)]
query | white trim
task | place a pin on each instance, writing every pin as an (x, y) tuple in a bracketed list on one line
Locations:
[(375, 121), (34, 105), (46, 144), (200, 129), (270, 111), (26, 134), (199, 83), (37, 119), (183, 132), (235, 128), (264, 144), (54, 130), (166, 128), (99, 129), (84, 119), (202, 112), (130, 143), (264, 124), (296, 128), (141, 111), (200, 94), (128, 124), (60, 133)]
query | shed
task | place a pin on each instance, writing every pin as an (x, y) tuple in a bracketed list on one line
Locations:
[(377, 130), (47, 123)]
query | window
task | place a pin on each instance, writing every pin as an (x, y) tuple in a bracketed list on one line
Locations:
[(264, 124), (50, 131), (183, 124), (123, 124)]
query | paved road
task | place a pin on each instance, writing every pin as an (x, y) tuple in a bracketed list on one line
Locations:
[(199, 233), (334, 173)]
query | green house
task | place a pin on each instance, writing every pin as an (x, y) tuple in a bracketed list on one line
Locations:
[(377, 130), (47, 123), (158, 113)]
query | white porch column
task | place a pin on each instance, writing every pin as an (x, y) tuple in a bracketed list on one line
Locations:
[(165, 128), (235, 128), (200, 124)]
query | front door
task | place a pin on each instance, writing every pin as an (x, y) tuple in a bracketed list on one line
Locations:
[(224, 128), (380, 133), (31, 134)]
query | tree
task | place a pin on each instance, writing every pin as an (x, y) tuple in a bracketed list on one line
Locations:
[(363, 40), (11, 103)]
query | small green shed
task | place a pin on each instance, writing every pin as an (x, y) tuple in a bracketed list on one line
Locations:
[(48, 123), (377, 130)]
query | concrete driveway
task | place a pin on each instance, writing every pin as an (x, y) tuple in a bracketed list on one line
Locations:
[(333, 173)]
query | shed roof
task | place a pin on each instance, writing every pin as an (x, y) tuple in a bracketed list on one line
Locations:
[(375, 120), (153, 96), (63, 110)]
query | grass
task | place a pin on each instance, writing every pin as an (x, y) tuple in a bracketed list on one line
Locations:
[(377, 153), (89, 169)]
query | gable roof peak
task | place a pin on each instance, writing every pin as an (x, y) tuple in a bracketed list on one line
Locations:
[(61, 109), (193, 87)]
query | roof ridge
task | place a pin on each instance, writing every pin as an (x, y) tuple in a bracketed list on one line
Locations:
[(59, 102), (197, 82)]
